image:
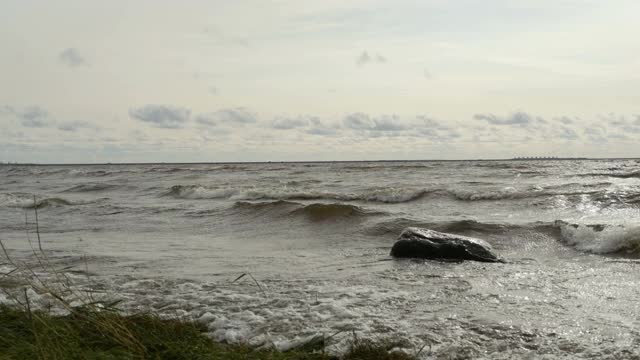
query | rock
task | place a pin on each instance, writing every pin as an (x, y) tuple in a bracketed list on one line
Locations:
[(430, 244)]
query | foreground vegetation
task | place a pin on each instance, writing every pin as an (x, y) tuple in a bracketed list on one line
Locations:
[(89, 334)]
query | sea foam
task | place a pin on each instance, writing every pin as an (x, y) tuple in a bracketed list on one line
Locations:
[(601, 239)]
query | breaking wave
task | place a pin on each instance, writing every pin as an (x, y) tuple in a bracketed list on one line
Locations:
[(195, 192), (26, 201), (384, 195), (50, 202), (601, 239), (506, 193)]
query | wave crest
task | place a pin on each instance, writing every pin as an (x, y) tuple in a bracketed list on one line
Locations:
[(195, 192), (503, 194), (601, 239), (50, 202), (388, 195), (313, 212), (321, 212), (621, 175), (91, 187), (395, 226)]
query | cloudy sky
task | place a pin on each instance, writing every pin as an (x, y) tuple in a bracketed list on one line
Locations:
[(258, 80)]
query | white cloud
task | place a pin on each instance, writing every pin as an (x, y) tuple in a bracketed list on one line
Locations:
[(231, 116), (286, 123), (362, 121), (518, 118), (162, 116)]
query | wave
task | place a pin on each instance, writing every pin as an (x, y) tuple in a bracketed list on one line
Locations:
[(499, 165), (511, 193), (321, 212), (395, 226), (91, 187), (601, 239), (313, 212), (605, 239), (50, 202), (26, 201), (271, 207), (366, 167), (503, 194), (195, 192), (178, 169), (388, 195), (393, 195), (621, 175)]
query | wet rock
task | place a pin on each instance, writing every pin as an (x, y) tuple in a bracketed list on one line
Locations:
[(430, 244)]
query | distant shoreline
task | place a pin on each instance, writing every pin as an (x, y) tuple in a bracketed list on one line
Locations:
[(318, 161)]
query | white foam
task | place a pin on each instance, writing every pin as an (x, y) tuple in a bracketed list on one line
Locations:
[(611, 239), (505, 193)]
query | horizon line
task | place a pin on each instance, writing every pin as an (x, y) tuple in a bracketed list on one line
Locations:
[(314, 161)]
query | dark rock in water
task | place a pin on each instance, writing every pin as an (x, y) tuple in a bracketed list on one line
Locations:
[(429, 244)]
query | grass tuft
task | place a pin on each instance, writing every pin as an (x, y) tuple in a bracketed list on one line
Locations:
[(100, 336)]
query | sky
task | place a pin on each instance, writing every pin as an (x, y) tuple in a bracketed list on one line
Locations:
[(84, 81)]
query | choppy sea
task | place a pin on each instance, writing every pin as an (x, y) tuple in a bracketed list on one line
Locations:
[(313, 240)]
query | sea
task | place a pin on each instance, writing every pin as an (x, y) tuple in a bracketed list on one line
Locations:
[(276, 254)]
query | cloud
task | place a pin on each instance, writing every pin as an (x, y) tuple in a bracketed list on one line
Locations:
[(38, 117), (518, 118), (34, 117), (434, 130), (75, 125), (362, 121), (567, 133), (323, 131), (162, 116), (618, 137), (7, 110), (71, 57), (364, 58), (231, 117), (621, 123), (565, 120), (320, 128), (292, 123), (237, 116), (206, 119)]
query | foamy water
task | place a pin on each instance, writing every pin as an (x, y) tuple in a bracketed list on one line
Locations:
[(315, 239)]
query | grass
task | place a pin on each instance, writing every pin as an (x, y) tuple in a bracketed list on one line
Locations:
[(89, 334)]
